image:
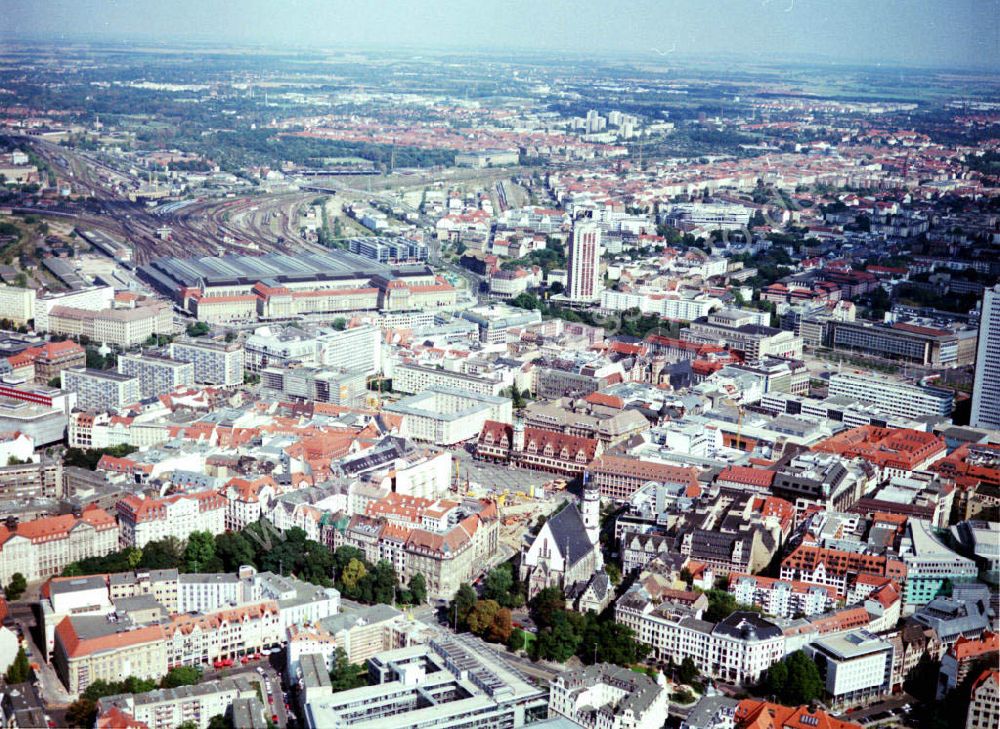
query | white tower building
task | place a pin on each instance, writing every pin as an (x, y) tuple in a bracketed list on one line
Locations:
[(986, 390), (585, 263)]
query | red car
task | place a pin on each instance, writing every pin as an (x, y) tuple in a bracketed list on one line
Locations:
[(274, 718)]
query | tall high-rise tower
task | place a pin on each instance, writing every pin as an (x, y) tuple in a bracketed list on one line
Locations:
[(585, 263), (986, 391)]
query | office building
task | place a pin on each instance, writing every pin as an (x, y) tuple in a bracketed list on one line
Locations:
[(495, 320), (44, 424), (737, 330), (157, 375), (738, 649), (388, 250), (900, 399), (42, 548), (584, 261), (317, 384), (986, 390), (857, 666), (122, 327), (902, 342), (605, 696), (454, 681), (931, 566), (100, 390), (215, 362), (356, 349), (94, 298)]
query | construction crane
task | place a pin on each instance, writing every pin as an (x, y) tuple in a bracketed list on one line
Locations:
[(740, 410)]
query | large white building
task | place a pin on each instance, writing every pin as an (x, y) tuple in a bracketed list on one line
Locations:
[(414, 378), (17, 304), (215, 362), (738, 649), (100, 390), (358, 349), (668, 305), (584, 261), (986, 391), (900, 399), (142, 521)]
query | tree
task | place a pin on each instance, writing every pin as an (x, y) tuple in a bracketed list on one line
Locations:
[(199, 551), (345, 675), (162, 554), (418, 589), (383, 583), (720, 605), (340, 324), (218, 722), (181, 676), (559, 641), (17, 586), (502, 627), (198, 329), (688, 670), (498, 583), (777, 677), (546, 605), (353, 574), (20, 669), (482, 615), (804, 684), (234, 550), (55, 382), (187, 725), (82, 713), (463, 603)]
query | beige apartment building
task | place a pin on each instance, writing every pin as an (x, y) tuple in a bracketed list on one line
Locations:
[(42, 548)]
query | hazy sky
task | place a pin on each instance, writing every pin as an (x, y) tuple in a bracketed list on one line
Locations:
[(911, 32)]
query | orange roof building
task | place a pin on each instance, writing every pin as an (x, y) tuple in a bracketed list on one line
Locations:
[(44, 547), (753, 714)]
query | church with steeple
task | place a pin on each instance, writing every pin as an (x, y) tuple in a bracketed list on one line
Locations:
[(566, 553)]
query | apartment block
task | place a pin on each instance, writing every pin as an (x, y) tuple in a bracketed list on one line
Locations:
[(144, 520), (781, 598), (157, 375), (101, 390), (215, 363), (17, 304), (169, 708), (414, 378)]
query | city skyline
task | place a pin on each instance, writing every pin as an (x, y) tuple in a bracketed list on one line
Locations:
[(903, 34)]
